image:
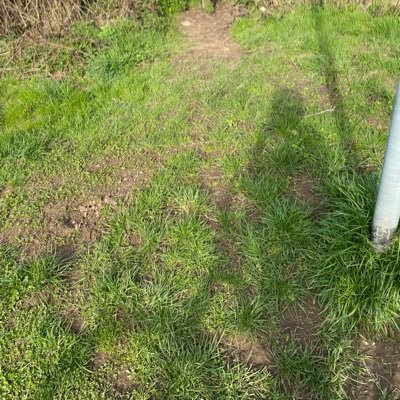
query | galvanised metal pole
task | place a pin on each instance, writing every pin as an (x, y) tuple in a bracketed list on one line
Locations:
[(387, 208)]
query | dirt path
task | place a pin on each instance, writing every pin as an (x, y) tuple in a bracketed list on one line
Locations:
[(210, 36)]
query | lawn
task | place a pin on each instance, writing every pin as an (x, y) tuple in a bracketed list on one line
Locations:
[(180, 222)]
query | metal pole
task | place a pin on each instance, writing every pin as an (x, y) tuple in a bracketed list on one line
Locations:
[(387, 208)]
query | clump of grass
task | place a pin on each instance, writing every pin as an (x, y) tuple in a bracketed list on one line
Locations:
[(380, 7), (359, 287), (208, 6)]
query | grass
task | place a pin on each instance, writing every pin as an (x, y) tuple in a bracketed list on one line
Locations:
[(250, 193)]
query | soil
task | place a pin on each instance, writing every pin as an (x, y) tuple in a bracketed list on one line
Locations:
[(209, 35), (118, 378), (99, 360), (308, 88), (35, 299), (82, 220), (223, 197), (83, 217), (213, 182), (10, 235), (74, 321), (123, 382), (302, 321), (304, 189), (381, 369), (134, 239), (4, 192), (378, 123), (250, 351)]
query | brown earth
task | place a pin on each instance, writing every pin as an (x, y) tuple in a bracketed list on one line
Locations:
[(99, 360), (214, 183), (253, 352), (302, 321), (123, 382), (209, 35), (381, 364), (80, 220), (118, 377), (84, 216), (74, 322), (304, 189)]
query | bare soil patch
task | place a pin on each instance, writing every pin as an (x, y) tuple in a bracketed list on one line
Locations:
[(309, 89), (74, 321), (81, 220), (134, 239), (378, 123), (84, 218), (223, 196), (11, 234), (302, 321), (382, 369), (123, 382), (44, 296), (304, 189), (245, 350), (4, 191), (209, 35), (194, 147), (102, 164), (108, 368), (99, 360), (212, 181)]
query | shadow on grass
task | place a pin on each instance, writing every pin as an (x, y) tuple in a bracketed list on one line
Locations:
[(281, 180), (357, 288), (344, 126)]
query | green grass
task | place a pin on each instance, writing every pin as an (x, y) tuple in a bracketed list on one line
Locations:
[(176, 273)]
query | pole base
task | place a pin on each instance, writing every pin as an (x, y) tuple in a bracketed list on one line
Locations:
[(381, 238)]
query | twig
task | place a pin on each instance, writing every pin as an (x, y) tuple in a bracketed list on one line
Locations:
[(320, 112)]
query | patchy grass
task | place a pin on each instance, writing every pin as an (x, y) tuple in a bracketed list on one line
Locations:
[(180, 227)]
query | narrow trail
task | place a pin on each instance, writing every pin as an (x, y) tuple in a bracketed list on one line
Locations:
[(209, 35)]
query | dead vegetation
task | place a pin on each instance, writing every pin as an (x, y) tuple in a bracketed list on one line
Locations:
[(54, 17)]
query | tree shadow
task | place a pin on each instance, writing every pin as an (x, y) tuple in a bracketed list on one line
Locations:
[(285, 177), (290, 145), (343, 123)]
